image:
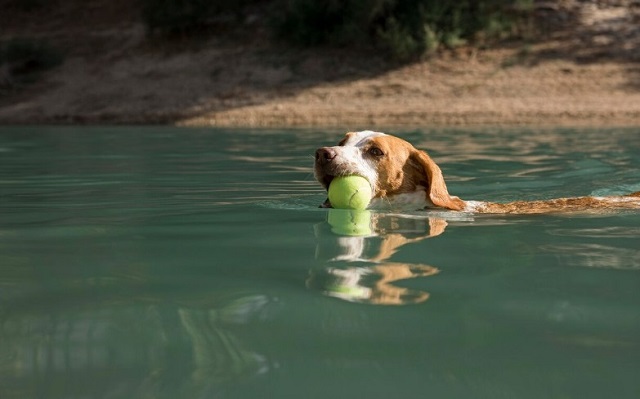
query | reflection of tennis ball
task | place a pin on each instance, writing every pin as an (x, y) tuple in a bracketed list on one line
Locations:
[(348, 292), (349, 192), (346, 222)]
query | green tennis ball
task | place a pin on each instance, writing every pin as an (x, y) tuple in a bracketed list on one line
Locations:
[(350, 192)]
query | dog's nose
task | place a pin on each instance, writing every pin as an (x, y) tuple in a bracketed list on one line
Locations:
[(325, 154)]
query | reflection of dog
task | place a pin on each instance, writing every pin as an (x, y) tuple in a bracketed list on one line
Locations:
[(402, 176), (385, 234)]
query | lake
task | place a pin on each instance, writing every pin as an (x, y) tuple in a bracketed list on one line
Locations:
[(162, 262)]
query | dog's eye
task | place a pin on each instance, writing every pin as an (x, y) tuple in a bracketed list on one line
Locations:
[(375, 151)]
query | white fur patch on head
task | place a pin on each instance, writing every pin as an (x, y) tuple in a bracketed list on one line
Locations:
[(359, 139), (350, 159)]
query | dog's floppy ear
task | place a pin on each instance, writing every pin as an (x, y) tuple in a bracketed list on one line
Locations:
[(433, 180)]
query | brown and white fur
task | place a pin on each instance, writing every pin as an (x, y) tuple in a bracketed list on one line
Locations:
[(402, 176)]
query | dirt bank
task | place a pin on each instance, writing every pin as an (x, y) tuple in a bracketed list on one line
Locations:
[(585, 71)]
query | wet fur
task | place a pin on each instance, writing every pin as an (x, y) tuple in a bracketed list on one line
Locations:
[(402, 171)]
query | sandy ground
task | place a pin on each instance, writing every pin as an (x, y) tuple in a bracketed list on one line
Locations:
[(588, 75)]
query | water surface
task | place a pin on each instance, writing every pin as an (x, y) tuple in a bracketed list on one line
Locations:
[(195, 263)]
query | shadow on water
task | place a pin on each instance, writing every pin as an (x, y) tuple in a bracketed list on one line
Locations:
[(127, 337)]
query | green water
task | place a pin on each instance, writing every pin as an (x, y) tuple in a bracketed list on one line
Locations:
[(194, 263)]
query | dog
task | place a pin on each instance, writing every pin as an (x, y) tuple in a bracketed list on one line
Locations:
[(402, 176)]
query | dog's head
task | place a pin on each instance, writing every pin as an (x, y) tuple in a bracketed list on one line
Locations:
[(394, 168)]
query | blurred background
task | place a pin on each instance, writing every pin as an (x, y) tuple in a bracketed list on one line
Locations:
[(350, 63)]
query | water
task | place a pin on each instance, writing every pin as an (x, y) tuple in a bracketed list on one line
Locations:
[(194, 263)]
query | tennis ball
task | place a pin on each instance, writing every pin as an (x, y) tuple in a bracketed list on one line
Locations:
[(349, 192)]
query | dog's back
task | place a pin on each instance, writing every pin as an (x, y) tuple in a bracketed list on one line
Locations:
[(577, 204)]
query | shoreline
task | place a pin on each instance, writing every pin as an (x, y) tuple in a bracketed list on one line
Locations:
[(585, 75), (435, 93)]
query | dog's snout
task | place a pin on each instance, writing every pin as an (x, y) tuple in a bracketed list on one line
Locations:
[(325, 154)]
